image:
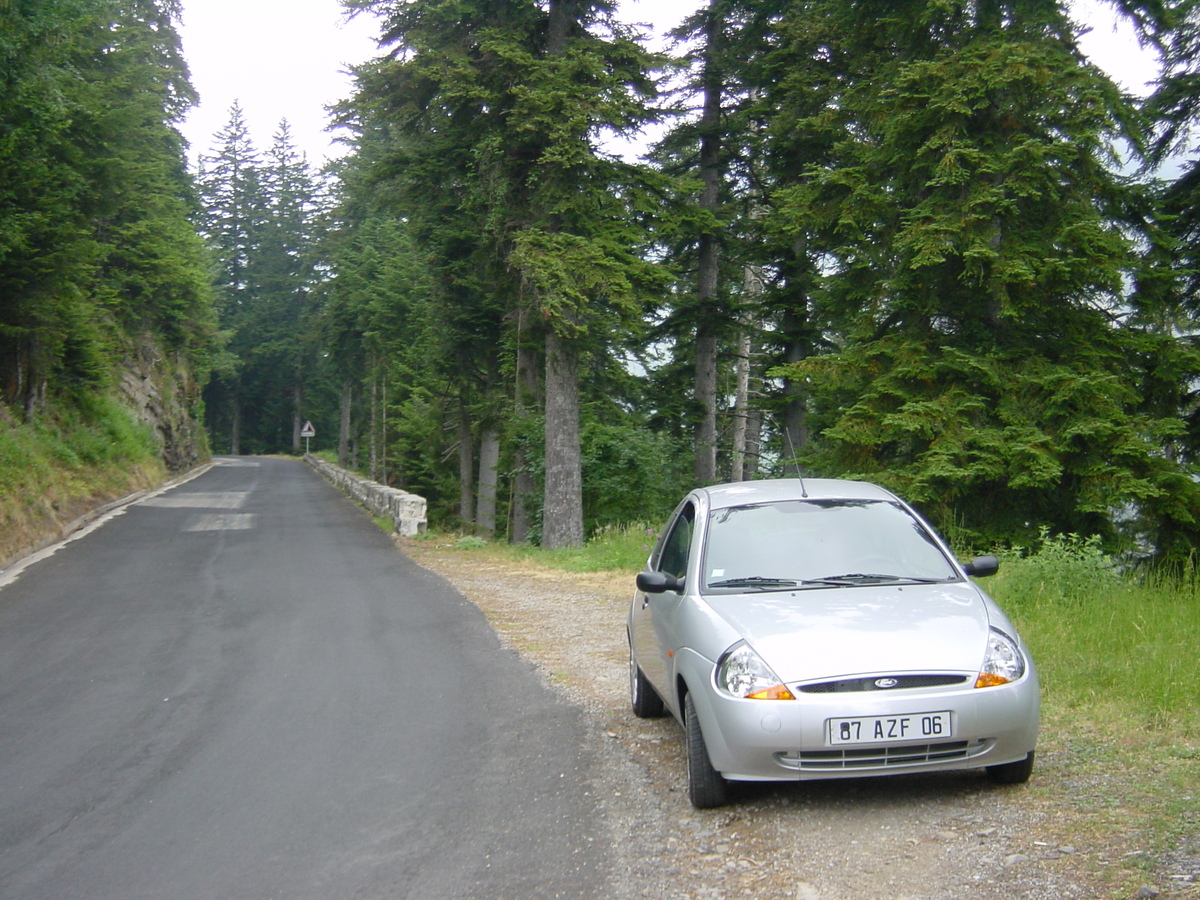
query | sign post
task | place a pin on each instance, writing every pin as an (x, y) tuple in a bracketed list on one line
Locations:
[(307, 432)]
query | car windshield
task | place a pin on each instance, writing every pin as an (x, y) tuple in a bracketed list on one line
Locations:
[(800, 544)]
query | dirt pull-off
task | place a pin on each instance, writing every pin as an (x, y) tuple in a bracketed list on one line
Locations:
[(951, 836)]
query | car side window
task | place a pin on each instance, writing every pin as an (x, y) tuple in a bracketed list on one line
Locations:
[(676, 547)]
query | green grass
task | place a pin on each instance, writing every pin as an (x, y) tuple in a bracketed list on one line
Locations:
[(1119, 650), (615, 547), (623, 548), (1116, 654), (54, 468)]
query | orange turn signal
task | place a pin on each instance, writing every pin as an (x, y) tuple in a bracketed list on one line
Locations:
[(987, 679), (778, 692)]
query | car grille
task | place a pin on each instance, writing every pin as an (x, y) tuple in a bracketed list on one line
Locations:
[(853, 685), (882, 757)]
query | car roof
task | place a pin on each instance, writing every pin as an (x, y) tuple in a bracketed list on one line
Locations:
[(772, 490)]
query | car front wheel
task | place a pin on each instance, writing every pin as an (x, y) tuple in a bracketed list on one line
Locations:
[(1012, 773), (645, 700), (706, 788)]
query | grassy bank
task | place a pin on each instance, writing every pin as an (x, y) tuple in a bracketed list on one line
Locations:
[(56, 470), (1117, 648), (1116, 653)]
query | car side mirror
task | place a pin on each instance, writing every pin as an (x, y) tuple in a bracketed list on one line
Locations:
[(982, 565), (658, 582)]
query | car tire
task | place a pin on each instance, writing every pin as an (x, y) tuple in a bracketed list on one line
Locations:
[(706, 788), (644, 699), (1013, 772)]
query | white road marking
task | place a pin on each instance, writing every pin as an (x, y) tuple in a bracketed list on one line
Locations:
[(86, 526), (220, 500), (221, 522)]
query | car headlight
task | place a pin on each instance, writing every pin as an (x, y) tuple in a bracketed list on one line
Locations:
[(742, 673), (1003, 662)]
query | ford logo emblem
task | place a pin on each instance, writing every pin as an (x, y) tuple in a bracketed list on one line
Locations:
[(885, 683)]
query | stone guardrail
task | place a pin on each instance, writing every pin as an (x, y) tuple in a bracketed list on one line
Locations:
[(407, 511)]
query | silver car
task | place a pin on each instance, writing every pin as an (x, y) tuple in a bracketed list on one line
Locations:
[(803, 629)]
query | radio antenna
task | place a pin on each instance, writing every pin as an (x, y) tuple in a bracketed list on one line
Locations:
[(795, 463)]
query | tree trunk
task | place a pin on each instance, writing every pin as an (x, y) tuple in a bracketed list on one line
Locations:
[(32, 381), (708, 256), (741, 408), (562, 512), (562, 13), (753, 444), (795, 423), (704, 466), (466, 461), (372, 449), (344, 422), (795, 410), (297, 421), (524, 485), (489, 462), (383, 422), (235, 424), (752, 283), (562, 499)]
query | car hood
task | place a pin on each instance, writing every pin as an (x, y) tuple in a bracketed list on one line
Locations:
[(836, 632)]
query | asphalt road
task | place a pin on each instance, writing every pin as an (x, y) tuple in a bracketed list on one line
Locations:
[(238, 688)]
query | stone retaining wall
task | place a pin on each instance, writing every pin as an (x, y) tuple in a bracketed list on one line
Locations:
[(405, 510)]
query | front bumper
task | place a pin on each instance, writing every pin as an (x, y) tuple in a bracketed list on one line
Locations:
[(783, 740)]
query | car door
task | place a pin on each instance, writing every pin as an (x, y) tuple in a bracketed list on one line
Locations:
[(650, 629)]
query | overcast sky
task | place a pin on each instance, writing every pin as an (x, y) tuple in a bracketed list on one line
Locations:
[(287, 59)]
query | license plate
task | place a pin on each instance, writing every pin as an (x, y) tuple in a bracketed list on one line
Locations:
[(929, 726)]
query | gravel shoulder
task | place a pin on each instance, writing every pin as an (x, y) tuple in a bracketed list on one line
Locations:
[(935, 837)]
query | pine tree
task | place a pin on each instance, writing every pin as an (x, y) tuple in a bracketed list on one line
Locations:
[(278, 338), (95, 243), (261, 223), (230, 183), (1175, 107), (494, 108), (977, 249), (231, 192), (713, 233)]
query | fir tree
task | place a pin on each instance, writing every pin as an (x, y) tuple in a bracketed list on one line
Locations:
[(494, 110), (978, 245)]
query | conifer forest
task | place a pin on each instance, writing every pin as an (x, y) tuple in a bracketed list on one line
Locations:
[(925, 243)]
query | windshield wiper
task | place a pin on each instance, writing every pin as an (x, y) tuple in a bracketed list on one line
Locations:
[(855, 578), (851, 579), (754, 581)]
